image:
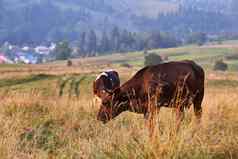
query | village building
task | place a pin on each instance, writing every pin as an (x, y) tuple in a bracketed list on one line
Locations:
[(4, 59)]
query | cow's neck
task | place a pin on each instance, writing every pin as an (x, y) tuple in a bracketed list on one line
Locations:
[(136, 100), (131, 85)]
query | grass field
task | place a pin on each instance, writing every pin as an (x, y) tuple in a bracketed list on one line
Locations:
[(37, 123)]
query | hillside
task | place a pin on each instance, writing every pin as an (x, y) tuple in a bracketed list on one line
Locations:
[(41, 20), (148, 8)]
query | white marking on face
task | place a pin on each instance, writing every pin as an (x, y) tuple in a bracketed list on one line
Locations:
[(102, 74)]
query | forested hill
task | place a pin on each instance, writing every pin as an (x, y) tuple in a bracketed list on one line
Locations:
[(40, 20)]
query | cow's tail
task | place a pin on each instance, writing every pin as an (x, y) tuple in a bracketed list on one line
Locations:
[(198, 70)]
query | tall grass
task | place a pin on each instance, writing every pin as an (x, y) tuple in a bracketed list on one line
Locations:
[(38, 125)]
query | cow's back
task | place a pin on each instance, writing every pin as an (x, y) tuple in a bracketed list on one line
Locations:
[(172, 76), (171, 72)]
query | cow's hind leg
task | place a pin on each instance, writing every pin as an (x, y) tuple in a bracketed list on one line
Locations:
[(198, 105)]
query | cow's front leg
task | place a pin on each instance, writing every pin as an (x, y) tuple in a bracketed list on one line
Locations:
[(148, 114), (152, 121)]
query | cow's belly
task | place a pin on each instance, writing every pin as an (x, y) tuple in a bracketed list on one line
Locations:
[(174, 101)]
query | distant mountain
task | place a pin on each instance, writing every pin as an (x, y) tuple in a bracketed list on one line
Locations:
[(57, 19)]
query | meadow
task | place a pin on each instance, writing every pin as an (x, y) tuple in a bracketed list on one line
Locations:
[(37, 123)]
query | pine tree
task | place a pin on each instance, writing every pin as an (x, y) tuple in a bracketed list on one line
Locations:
[(115, 39), (92, 43), (124, 41), (131, 41), (154, 40), (63, 51), (105, 43), (82, 44)]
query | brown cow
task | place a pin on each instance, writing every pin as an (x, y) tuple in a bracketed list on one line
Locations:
[(105, 83), (162, 81)]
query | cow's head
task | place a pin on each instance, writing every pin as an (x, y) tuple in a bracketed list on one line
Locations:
[(113, 105), (101, 87)]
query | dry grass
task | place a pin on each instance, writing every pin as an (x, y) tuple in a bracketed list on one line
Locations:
[(36, 124)]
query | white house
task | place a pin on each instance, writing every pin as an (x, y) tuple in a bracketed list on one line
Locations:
[(42, 50)]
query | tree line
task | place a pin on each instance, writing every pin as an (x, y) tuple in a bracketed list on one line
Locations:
[(115, 40), (193, 19)]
